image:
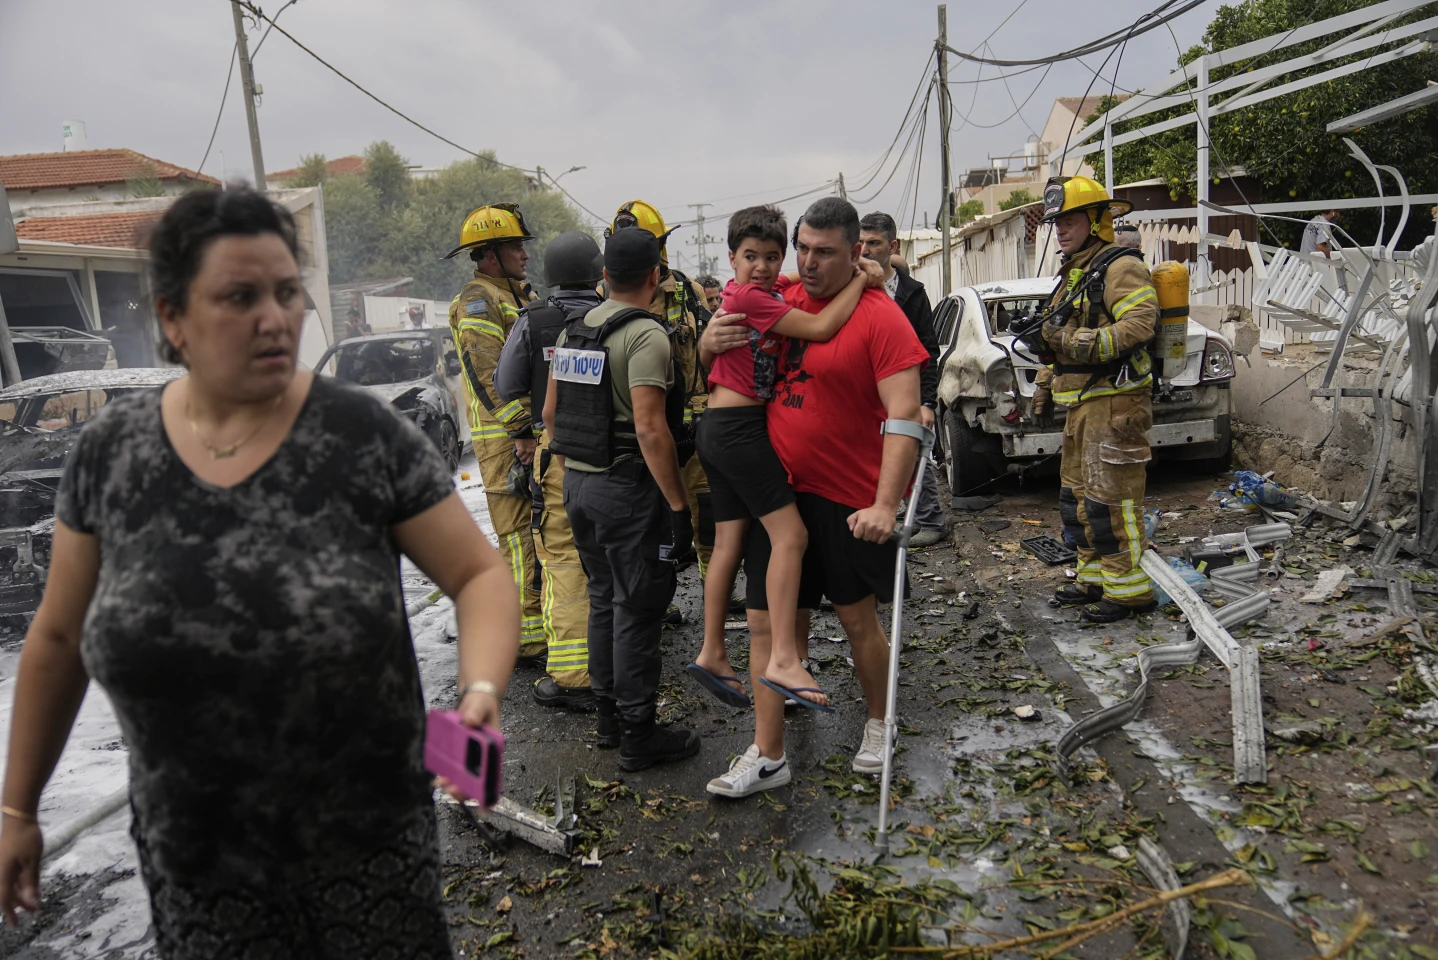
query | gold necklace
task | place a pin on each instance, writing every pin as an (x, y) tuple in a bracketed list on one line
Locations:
[(227, 451)]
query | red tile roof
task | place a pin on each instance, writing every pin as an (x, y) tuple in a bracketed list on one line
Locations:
[(336, 167), (98, 230), (86, 168), (1083, 106)]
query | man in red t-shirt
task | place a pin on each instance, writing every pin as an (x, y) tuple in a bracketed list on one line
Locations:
[(829, 403)]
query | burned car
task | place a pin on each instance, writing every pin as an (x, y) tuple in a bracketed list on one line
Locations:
[(986, 388), (40, 420), (416, 370)]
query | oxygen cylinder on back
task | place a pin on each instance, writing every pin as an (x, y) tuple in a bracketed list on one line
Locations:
[(1170, 280)]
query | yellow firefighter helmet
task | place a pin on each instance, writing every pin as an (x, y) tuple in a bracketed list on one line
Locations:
[(495, 223), (1067, 194), (637, 213)]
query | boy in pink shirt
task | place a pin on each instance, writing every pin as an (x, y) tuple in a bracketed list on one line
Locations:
[(746, 479)]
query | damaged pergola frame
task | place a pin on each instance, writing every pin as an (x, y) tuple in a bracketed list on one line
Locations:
[(1207, 628)]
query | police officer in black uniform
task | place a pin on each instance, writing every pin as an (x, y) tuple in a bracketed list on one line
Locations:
[(614, 406)]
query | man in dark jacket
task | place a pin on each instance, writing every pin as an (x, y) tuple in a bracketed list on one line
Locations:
[(880, 237)]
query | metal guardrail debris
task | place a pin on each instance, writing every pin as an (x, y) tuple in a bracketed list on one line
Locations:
[(1207, 628), (532, 827), (1249, 764), (1157, 866), (1111, 718), (1200, 617)]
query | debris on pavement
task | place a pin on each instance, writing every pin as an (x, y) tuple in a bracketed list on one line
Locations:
[(974, 504), (1049, 550), (1330, 584)]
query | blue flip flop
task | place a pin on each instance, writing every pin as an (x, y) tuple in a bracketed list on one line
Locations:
[(719, 686), (793, 693)]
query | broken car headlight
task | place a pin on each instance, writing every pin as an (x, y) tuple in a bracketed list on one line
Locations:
[(1217, 361)]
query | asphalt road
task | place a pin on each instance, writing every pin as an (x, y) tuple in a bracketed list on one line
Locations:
[(987, 827)]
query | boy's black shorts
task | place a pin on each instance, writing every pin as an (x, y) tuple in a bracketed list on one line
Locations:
[(837, 564), (746, 478)]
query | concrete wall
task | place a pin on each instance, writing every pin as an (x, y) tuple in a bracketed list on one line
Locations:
[(1298, 437), (22, 199)]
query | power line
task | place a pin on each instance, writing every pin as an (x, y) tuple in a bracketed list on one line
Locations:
[(271, 27), (1151, 20), (828, 185), (234, 51), (1002, 76), (756, 193), (921, 120), (924, 80), (410, 120), (1018, 108)]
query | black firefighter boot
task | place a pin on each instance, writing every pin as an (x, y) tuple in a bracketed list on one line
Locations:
[(547, 693), (609, 725), (649, 743), (1106, 611), (1076, 595)]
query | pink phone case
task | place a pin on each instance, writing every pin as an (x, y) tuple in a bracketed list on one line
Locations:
[(470, 759)]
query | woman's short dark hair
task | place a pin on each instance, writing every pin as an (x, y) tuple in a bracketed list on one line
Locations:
[(758, 223), (193, 222)]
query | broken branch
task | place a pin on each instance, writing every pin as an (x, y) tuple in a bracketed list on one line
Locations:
[(1082, 931)]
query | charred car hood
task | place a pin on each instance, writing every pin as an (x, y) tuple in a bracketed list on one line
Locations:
[(37, 451), (390, 392)]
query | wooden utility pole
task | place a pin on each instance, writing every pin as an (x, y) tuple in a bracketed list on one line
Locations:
[(247, 82), (843, 191), (945, 111)]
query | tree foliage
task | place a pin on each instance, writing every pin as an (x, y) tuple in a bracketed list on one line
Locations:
[(314, 171), (1283, 142), (1017, 199), (144, 181), (383, 224), (970, 209)]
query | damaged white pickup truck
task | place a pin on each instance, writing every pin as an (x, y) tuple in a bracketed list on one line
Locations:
[(986, 390)]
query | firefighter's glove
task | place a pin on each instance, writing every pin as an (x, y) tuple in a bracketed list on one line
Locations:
[(682, 527), (1054, 334), (1080, 345), (1043, 407)]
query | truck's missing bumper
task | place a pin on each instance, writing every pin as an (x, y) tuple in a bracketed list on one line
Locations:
[(1186, 439)]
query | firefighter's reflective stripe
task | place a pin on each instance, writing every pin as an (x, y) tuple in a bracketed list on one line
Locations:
[(566, 654), (1090, 571), (488, 327), (482, 430), (1070, 397), (509, 411), (1103, 345), (531, 631), (1141, 295)]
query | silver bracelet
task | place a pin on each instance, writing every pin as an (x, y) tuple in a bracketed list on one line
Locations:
[(480, 686)]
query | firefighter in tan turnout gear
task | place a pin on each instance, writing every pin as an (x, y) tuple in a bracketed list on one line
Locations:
[(1098, 326), (680, 302), (503, 433)]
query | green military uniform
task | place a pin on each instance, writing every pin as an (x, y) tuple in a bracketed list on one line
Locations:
[(1103, 375), (481, 318)]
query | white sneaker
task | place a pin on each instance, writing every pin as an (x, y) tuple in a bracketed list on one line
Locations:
[(750, 773), (870, 758)]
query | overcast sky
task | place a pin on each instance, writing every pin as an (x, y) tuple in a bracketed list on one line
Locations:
[(676, 102)]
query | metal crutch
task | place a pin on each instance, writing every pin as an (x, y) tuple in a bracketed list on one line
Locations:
[(925, 436)]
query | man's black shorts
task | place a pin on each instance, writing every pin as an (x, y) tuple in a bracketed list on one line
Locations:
[(746, 478), (837, 564)]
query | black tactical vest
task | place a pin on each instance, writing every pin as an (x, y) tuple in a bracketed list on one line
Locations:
[(584, 405), (546, 322)]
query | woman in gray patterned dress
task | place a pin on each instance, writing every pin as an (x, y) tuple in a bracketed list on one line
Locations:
[(226, 566)]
